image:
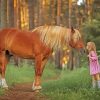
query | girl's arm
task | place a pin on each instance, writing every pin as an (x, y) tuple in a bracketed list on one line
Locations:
[(93, 55)]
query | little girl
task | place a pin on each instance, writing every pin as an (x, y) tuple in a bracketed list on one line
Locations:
[(93, 64)]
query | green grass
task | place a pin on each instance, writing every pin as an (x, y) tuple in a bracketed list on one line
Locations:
[(24, 74), (57, 85), (19, 75), (75, 85)]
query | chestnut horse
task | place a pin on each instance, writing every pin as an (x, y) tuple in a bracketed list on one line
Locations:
[(37, 44)]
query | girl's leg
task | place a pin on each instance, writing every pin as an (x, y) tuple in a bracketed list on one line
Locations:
[(93, 81), (98, 80)]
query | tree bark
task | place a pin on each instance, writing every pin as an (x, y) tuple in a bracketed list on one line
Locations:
[(31, 13), (36, 13), (10, 13), (0, 13), (70, 65), (70, 12), (41, 12), (19, 14), (57, 54), (3, 13)]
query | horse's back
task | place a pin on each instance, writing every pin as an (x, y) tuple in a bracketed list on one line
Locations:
[(23, 43)]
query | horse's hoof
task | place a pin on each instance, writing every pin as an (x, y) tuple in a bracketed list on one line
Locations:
[(36, 88), (6, 88)]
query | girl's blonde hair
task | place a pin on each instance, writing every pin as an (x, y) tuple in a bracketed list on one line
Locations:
[(92, 46)]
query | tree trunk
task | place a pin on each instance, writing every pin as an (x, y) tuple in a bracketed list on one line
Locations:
[(71, 60), (36, 13), (0, 13), (71, 56), (57, 54), (31, 13), (52, 11), (3, 13), (10, 13), (40, 12), (70, 12), (88, 7), (15, 13), (19, 14)]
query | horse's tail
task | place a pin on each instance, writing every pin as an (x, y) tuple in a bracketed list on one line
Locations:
[(8, 55)]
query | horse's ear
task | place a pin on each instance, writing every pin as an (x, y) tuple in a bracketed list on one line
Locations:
[(72, 30)]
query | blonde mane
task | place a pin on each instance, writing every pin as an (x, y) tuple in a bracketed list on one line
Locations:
[(56, 36)]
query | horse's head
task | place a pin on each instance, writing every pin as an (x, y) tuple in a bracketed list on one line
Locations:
[(76, 40)]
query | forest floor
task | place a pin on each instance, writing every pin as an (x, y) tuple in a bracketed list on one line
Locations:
[(22, 92)]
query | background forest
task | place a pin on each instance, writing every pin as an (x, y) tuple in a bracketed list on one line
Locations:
[(28, 14), (73, 83)]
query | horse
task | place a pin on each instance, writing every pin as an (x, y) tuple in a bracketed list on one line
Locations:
[(38, 45)]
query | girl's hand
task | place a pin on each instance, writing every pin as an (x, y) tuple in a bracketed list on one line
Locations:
[(87, 55)]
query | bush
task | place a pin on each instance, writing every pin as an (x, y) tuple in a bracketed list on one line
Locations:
[(92, 31)]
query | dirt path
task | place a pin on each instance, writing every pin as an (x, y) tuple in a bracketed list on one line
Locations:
[(22, 92)]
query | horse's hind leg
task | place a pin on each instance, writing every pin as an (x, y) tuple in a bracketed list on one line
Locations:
[(3, 61), (40, 63)]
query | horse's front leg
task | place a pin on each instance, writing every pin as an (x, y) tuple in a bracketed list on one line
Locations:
[(40, 63), (3, 61)]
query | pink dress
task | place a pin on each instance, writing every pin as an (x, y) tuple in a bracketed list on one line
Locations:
[(94, 64)]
